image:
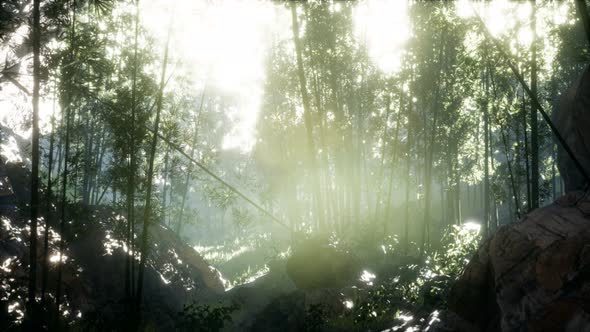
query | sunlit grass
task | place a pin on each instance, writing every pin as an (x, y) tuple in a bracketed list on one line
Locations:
[(221, 254), (227, 250), (244, 259), (247, 277)]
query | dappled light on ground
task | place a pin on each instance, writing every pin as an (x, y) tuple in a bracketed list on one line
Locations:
[(247, 258), (367, 277)]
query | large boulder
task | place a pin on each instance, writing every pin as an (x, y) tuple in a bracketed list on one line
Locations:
[(530, 276), (315, 264)]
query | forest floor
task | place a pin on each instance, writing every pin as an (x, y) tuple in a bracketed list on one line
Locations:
[(363, 281)]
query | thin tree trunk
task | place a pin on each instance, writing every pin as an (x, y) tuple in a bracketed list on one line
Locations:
[(99, 163), (491, 193), (534, 122), (88, 146), (64, 201), (150, 173), (327, 184), (430, 158), (553, 173), (60, 146), (469, 200), (130, 236), (35, 163), (459, 206), (526, 155), (486, 189), (105, 190), (307, 119), (190, 167), (384, 137), (98, 147), (393, 158), (76, 170), (407, 197), (443, 186), (165, 187), (48, 202), (515, 193), (582, 10)]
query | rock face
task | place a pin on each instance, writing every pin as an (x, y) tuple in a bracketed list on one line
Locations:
[(190, 265), (530, 276)]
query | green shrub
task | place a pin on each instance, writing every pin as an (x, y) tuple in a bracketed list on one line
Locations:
[(416, 289), (203, 317)]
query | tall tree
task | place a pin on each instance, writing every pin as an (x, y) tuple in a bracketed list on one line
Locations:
[(486, 158), (147, 213), (49, 203), (533, 115), (190, 167), (130, 259), (36, 37), (307, 119), (436, 106), (67, 107)]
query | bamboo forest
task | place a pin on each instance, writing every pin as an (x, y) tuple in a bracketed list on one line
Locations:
[(282, 165)]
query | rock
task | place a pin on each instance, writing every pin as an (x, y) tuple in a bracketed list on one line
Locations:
[(530, 276), (185, 257), (314, 264), (273, 302), (255, 299)]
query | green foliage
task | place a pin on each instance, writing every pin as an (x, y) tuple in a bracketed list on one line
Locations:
[(459, 243), (315, 318), (102, 7), (196, 317), (414, 289), (242, 218)]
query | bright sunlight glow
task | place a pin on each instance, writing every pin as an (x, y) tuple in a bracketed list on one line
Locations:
[(472, 226), (384, 26), (224, 44)]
